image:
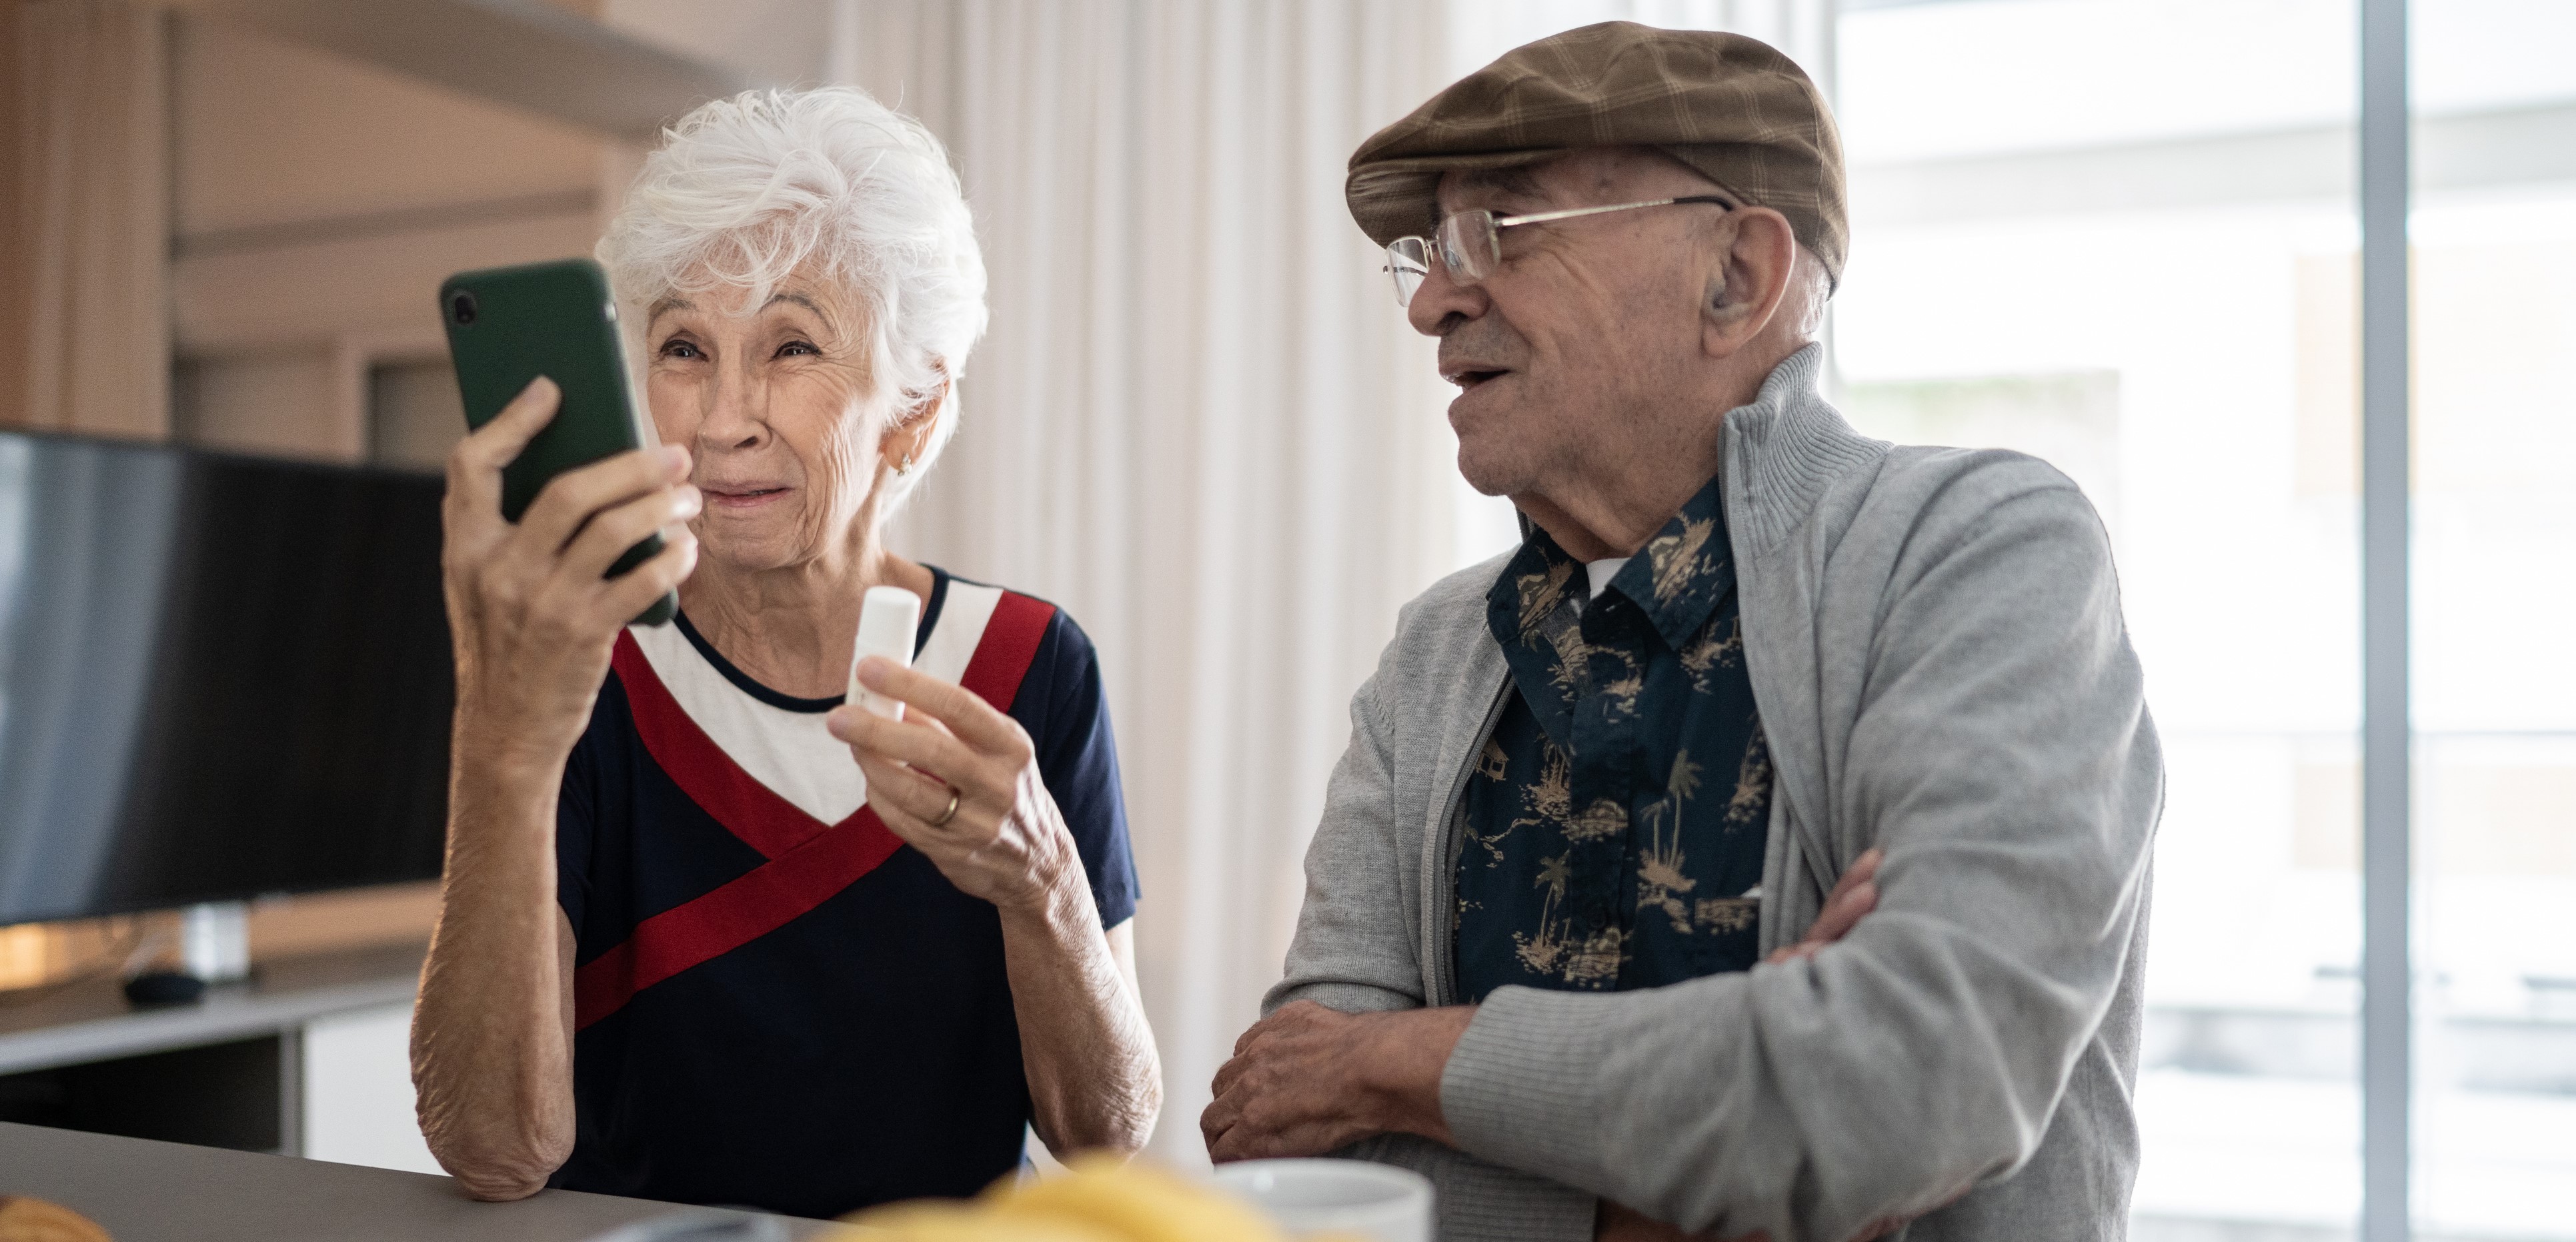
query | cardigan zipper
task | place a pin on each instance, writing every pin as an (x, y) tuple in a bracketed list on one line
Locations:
[(1440, 941)]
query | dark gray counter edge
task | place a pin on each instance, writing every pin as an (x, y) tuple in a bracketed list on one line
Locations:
[(143, 1191)]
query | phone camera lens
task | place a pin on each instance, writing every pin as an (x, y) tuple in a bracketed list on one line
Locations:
[(461, 308)]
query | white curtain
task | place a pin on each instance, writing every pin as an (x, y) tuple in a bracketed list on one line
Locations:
[(1200, 421), (84, 217)]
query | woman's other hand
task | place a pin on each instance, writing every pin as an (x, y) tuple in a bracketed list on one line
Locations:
[(533, 613), (958, 780), (1005, 842)]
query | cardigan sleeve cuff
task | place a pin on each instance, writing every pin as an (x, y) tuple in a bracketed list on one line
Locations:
[(1511, 1091), (1478, 1201)]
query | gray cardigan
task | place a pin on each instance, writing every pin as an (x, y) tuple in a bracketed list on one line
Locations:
[(1935, 640)]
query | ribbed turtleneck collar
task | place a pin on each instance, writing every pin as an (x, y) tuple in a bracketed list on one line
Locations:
[(1784, 449)]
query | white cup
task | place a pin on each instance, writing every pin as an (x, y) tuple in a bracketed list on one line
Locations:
[(1308, 1197)]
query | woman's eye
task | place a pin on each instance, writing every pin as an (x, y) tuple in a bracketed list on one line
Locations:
[(796, 347), (680, 349)]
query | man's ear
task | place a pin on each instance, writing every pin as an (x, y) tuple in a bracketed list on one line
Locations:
[(1758, 252)]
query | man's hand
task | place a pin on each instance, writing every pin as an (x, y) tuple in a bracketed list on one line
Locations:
[(1854, 895), (1308, 1080)]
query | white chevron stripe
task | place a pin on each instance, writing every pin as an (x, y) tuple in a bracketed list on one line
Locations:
[(790, 752)]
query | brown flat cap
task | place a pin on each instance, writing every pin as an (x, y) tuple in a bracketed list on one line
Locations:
[(1732, 108)]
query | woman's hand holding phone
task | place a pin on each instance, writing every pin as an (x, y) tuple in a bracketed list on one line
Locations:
[(532, 610)]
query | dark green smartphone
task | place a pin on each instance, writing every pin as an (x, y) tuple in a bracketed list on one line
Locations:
[(508, 325)]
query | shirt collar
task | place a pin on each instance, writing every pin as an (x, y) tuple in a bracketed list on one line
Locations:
[(1685, 571), (1676, 580), (1534, 583)]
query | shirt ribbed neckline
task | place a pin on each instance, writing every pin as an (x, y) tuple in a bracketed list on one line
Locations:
[(787, 702)]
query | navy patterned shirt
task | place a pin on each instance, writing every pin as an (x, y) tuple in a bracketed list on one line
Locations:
[(1615, 824)]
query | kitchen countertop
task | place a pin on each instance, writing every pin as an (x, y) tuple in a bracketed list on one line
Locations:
[(143, 1191)]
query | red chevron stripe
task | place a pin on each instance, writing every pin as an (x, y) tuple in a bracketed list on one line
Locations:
[(707, 927), (747, 809), (1009, 645), (808, 863)]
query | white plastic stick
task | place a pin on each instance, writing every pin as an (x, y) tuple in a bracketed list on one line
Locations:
[(888, 618)]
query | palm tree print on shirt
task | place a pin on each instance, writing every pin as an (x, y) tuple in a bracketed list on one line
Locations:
[(1600, 847)]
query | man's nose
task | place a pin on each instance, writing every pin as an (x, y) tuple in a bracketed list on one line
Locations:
[(1439, 297)]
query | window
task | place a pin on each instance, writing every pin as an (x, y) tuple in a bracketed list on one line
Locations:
[(2090, 230), (2493, 230)]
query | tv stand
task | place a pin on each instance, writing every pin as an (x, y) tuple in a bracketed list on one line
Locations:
[(225, 1071)]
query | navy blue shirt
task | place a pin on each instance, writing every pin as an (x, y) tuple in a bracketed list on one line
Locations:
[(1615, 823), (863, 1051)]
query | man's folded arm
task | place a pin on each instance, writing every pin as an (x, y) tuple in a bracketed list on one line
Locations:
[(2004, 757)]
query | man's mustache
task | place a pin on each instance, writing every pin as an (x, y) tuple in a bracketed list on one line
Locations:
[(1483, 345)]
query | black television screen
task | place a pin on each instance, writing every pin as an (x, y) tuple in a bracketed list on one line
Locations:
[(220, 677)]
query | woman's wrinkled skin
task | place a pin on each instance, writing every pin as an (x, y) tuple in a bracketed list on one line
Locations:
[(778, 445), (793, 451)]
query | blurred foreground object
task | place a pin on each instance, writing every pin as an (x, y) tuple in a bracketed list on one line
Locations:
[(1343, 1198), (1101, 1199), (34, 1220)]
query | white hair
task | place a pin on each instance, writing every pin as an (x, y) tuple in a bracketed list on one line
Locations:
[(744, 191), (1811, 291)]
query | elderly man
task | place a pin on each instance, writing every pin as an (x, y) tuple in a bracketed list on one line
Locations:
[(1750, 675)]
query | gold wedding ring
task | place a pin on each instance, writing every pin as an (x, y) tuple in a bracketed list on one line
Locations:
[(954, 795)]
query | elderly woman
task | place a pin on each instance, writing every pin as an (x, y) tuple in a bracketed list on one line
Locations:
[(688, 948)]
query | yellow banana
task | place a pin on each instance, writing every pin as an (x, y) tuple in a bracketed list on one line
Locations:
[(1098, 1199), (1137, 1204), (959, 1222)]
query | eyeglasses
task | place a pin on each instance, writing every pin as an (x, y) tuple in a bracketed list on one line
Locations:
[(1471, 243)]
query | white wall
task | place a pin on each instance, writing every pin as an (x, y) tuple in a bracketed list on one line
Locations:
[(317, 203), (274, 402), (357, 1091)]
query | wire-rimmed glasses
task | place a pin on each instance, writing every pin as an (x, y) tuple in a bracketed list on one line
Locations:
[(1470, 243)]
